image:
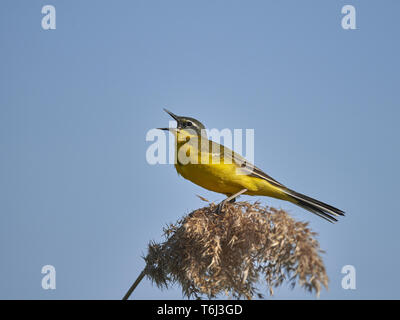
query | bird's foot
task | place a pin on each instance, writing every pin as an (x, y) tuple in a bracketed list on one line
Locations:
[(230, 199), (221, 205), (219, 208)]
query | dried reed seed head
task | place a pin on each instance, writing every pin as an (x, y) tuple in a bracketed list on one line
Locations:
[(208, 254)]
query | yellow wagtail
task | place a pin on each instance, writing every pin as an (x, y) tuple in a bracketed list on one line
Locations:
[(219, 169)]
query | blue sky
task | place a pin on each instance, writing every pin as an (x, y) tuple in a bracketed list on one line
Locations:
[(76, 103)]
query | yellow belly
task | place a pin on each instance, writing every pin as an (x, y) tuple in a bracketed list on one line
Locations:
[(223, 178)]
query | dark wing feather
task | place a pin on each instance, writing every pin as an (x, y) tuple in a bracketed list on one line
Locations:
[(245, 166), (253, 171)]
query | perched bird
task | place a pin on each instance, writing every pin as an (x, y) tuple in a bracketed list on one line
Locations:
[(219, 169)]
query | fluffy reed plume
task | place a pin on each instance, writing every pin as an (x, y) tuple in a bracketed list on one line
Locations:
[(208, 254)]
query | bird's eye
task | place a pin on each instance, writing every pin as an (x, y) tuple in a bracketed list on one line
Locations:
[(189, 124)]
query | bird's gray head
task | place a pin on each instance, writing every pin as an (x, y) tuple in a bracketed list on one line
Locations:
[(186, 123)]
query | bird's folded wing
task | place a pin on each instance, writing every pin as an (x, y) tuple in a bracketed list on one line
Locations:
[(251, 170), (244, 166)]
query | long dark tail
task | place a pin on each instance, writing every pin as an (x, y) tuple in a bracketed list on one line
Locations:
[(317, 207)]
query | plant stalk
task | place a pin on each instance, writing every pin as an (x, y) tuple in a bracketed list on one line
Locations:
[(134, 285)]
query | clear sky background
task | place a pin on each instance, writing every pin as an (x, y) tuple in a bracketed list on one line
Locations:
[(76, 103)]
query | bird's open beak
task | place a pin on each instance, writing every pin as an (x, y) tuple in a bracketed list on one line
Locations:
[(172, 115), (176, 118)]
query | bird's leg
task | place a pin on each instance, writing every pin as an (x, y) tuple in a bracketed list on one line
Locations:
[(232, 198)]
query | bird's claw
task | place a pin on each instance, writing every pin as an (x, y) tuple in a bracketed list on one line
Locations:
[(230, 199), (221, 205), (219, 208)]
